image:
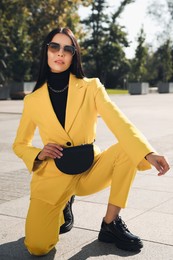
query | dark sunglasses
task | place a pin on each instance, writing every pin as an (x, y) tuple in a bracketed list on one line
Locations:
[(54, 47)]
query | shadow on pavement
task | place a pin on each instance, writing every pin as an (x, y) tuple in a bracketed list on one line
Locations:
[(96, 248), (16, 251)]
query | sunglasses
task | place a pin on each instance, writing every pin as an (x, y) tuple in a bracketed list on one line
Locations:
[(55, 47)]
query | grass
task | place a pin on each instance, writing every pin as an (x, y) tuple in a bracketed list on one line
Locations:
[(117, 91)]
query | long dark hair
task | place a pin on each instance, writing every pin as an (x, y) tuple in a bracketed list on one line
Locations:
[(76, 66)]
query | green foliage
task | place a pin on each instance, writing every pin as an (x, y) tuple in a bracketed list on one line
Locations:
[(162, 60), (159, 64), (103, 49), (15, 41), (164, 63), (138, 64)]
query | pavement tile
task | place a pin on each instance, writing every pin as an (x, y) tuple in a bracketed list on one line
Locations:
[(12, 228), (155, 183), (15, 208), (153, 226), (145, 199), (166, 207)]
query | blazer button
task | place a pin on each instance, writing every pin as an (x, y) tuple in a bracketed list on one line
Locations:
[(68, 143)]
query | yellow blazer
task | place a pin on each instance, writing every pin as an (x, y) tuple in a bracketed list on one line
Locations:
[(86, 99)]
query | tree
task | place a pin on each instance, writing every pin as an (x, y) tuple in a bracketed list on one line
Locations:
[(103, 49), (159, 64), (138, 64), (15, 42), (162, 13), (96, 24), (163, 57)]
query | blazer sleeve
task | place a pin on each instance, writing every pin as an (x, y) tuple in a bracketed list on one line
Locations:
[(130, 138), (22, 145)]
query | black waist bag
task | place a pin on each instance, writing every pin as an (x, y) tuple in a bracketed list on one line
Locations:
[(76, 159)]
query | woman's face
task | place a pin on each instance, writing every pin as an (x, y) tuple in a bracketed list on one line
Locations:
[(60, 58)]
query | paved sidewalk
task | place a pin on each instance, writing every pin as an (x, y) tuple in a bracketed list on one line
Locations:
[(150, 209)]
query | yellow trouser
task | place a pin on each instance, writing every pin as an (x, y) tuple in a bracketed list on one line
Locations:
[(44, 220)]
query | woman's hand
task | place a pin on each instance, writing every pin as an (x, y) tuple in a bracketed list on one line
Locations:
[(50, 150), (159, 162)]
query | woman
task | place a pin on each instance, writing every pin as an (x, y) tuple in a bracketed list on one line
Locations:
[(64, 106)]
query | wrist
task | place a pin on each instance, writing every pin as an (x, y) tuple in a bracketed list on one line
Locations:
[(147, 155), (37, 158)]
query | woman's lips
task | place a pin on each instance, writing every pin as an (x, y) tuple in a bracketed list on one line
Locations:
[(59, 62)]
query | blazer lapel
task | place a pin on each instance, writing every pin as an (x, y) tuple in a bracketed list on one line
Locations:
[(75, 98)]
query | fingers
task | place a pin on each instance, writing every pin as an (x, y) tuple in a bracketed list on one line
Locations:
[(159, 162), (51, 150), (163, 165)]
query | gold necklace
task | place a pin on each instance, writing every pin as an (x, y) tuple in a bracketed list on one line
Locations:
[(58, 91)]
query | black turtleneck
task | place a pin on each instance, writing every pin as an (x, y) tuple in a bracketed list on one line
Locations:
[(58, 81)]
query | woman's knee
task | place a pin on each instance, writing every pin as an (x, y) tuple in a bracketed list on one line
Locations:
[(38, 248), (115, 153)]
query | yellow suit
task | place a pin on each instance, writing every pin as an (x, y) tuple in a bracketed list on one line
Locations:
[(86, 99)]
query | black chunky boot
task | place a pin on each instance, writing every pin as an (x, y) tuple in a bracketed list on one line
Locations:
[(68, 217), (118, 233)]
